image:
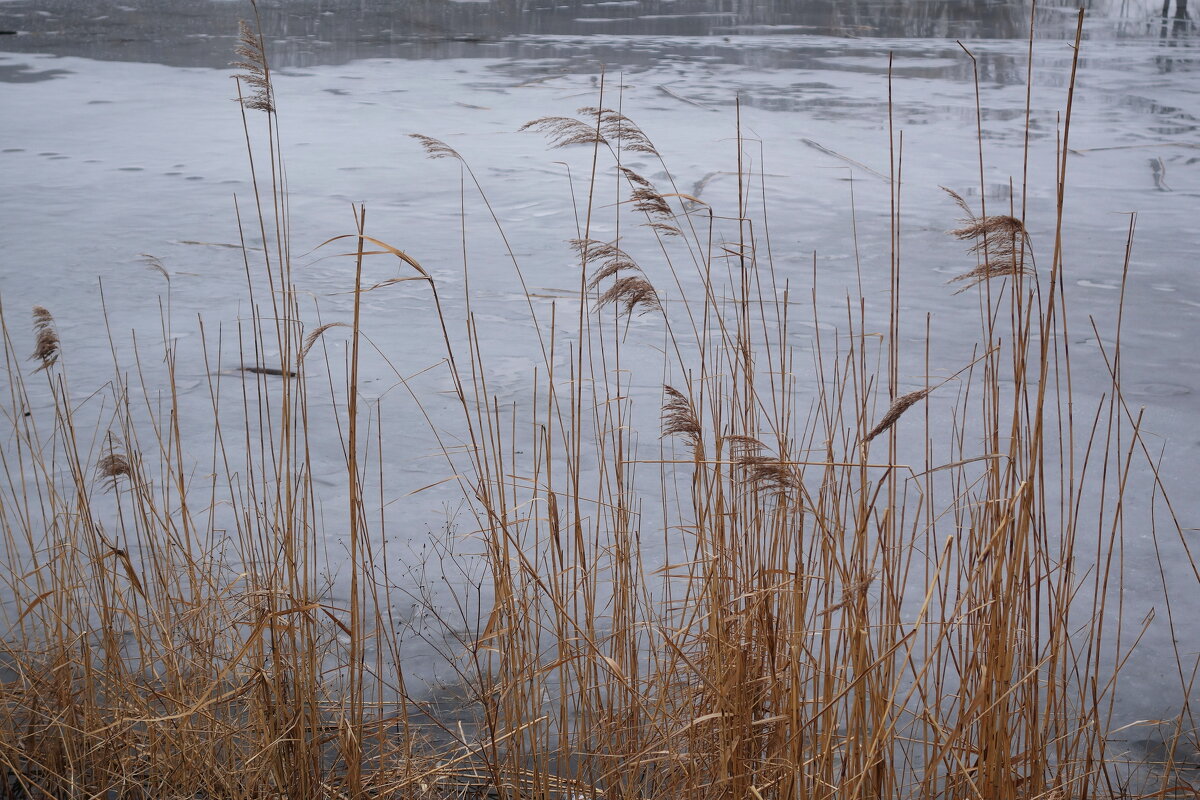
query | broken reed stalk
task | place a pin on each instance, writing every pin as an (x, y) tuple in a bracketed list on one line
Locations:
[(816, 625)]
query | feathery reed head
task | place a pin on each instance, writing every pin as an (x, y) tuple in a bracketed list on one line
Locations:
[(635, 179), (651, 202), (768, 472), (999, 240), (593, 250), (565, 131), (1001, 226), (630, 292), (898, 407), (679, 419), (46, 343), (612, 260), (113, 466), (256, 75), (436, 148), (621, 129), (664, 228), (852, 592), (155, 263), (316, 334), (742, 445)]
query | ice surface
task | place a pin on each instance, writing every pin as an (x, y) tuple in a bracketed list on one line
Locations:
[(105, 160)]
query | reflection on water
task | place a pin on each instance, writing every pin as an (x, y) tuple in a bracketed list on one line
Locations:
[(312, 32), (1176, 34)]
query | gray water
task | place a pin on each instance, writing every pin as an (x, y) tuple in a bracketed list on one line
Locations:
[(118, 137), (308, 33)]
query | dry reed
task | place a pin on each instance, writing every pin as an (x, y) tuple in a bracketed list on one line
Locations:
[(821, 628), (255, 73), (45, 337)]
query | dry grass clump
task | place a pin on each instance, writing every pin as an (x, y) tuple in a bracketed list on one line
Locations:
[(934, 624)]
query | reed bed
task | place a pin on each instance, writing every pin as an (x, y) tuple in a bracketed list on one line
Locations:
[(873, 590)]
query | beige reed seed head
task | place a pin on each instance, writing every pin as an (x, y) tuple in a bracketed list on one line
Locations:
[(999, 241), (113, 466), (593, 250), (768, 472), (610, 269), (664, 228), (620, 129), (742, 445), (630, 292), (316, 334), (155, 263), (651, 202), (897, 408), (612, 261), (635, 179), (435, 148), (565, 131), (45, 338), (679, 419), (253, 61)]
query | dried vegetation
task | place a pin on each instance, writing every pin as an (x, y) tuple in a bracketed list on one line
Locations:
[(919, 608)]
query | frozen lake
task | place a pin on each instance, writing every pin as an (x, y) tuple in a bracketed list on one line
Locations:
[(119, 137)]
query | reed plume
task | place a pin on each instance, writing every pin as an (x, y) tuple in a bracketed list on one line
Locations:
[(651, 203), (155, 263), (635, 179), (769, 472), (594, 250), (630, 292), (679, 419), (742, 445), (614, 261), (112, 466), (621, 129), (46, 343), (999, 240), (648, 200), (664, 228), (256, 74), (316, 334), (564, 131), (894, 412), (851, 593), (435, 148)]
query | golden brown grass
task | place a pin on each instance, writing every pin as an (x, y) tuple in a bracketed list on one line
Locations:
[(939, 621)]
